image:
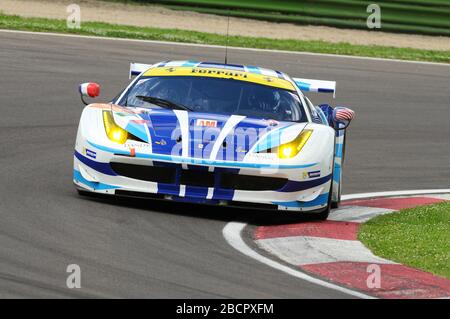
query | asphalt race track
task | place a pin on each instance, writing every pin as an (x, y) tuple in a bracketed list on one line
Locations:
[(399, 140)]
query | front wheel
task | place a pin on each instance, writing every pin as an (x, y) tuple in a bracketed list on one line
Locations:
[(323, 215), (335, 204)]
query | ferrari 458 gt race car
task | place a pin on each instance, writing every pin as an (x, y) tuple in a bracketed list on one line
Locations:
[(214, 133)]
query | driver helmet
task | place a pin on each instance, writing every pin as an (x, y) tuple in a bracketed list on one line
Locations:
[(265, 100)]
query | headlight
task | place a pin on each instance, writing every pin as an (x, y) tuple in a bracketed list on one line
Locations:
[(114, 132), (291, 149)]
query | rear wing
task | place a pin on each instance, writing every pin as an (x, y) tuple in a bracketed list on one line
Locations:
[(309, 85), (138, 68)]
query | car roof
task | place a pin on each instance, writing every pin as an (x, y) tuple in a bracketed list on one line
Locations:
[(213, 69), (216, 65)]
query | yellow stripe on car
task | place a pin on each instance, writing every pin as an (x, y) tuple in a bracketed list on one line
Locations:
[(223, 74)]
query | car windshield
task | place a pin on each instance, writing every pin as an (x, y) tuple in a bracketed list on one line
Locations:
[(216, 95)]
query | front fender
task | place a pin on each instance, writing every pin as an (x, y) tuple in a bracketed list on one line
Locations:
[(320, 147)]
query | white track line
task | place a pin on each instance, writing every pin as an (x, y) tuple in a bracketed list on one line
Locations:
[(233, 230), (222, 47)]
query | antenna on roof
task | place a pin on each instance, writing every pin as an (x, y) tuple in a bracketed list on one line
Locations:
[(226, 43)]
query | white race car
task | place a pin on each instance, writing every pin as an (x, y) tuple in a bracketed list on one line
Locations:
[(214, 133)]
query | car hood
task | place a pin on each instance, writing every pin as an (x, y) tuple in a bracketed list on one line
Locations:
[(201, 135)]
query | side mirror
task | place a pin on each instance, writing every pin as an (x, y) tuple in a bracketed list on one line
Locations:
[(90, 89), (342, 117)]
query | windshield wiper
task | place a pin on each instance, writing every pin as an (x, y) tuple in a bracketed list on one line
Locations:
[(163, 103)]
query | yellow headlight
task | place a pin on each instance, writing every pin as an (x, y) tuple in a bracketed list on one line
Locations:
[(114, 132), (286, 151), (291, 149)]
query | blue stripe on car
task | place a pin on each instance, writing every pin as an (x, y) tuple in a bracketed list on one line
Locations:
[(272, 139), (337, 173), (195, 161), (253, 69), (320, 90), (241, 139), (163, 127), (303, 86), (197, 192), (339, 150), (224, 194), (96, 186), (189, 63), (103, 168), (168, 189), (202, 138), (137, 130), (295, 186)]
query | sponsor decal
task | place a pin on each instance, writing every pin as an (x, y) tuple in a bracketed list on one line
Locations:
[(90, 153), (208, 123), (233, 74), (161, 142), (137, 145), (240, 149), (313, 174), (262, 156)]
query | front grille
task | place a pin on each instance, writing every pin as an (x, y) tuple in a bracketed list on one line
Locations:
[(146, 173), (251, 183), (199, 177), (249, 205)]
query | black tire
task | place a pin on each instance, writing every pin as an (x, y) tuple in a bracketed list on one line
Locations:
[(333, 203), (323, 215)]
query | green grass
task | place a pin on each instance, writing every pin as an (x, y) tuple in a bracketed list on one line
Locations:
[(418, 237), (122, 31), (404, 16)]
